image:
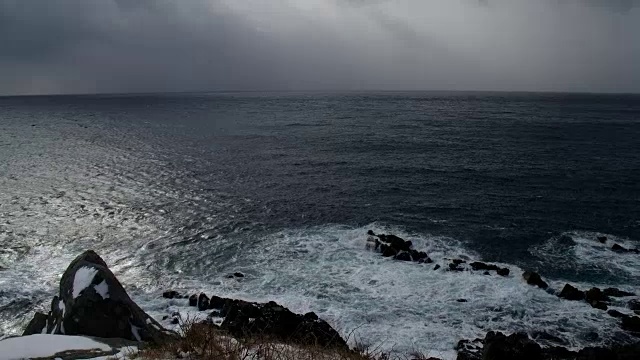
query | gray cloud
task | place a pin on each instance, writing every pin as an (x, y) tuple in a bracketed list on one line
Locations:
[(78, 46)]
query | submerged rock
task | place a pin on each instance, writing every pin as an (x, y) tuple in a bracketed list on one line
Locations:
[(92, 302), (533, 278), (620, 249)]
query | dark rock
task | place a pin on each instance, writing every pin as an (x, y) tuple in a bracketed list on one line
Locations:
[(631, 323), (571, 293), (175, 321), (598, 305), (596, 353), (497, 346), (311, 316), (602, 239), (193, 300), (633, 304), (457, 261), (244, 319), (545, 336), (238, 274), (203, 302), (462, 300), (455, 267), (486, 273), (469, 349), (371, 233), (216, 302), (616, 314), (36, 325), (595, 295), (620, 249), (404, 256), (436, 267), (171, 294), (533, 278), (92, 302), (558, 353), (503, 272), (477, 265), (613, 292)]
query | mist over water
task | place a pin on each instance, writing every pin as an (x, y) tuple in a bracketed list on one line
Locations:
[(177, 191)]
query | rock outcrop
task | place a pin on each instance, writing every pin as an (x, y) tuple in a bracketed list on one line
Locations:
[(395, 247), (273, 321), (92, 302), (518, 346), (533, 278)]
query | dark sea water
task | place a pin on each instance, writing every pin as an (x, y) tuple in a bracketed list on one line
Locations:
[(176, 191)]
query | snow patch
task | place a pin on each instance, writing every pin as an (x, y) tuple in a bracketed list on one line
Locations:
[(36, 346), (102, 289), (84, 277)]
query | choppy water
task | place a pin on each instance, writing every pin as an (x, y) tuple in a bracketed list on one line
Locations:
[(177, 191)]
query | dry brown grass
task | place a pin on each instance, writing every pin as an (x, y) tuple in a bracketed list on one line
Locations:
[(204, 342)]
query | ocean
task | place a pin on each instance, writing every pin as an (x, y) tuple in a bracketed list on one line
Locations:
[(176, 191)]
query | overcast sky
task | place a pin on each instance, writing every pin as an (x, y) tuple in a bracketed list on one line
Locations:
[(89, 46)]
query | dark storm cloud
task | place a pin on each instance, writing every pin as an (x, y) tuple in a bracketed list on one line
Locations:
[(63, 46)]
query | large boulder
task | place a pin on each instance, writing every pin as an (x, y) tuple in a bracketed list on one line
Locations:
[(92, 302), (533, 278)]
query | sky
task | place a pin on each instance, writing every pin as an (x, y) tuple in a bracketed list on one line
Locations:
[(121, 46)]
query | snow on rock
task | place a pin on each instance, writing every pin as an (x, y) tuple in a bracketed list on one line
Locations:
[(102, 289), (35, 346), (82, 280)]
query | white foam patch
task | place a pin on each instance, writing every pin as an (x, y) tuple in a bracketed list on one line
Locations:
[(82, 280)]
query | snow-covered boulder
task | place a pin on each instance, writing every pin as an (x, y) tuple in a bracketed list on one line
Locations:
[(92, 302)]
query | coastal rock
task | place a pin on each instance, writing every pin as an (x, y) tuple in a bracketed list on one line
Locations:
[(497, 346), (571, 293), (602, 239), (193, 300), (396, 247), (631, 323), (171, 294), (477, 265), (533, 278), (596, 298), (244, 319), (92, 302), (203, 302), (633, 304), (613, 292)]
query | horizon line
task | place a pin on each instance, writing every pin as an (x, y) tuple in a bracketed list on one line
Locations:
[(335, 91)]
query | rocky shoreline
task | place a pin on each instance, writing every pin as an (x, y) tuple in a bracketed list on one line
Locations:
[(92, 303)]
